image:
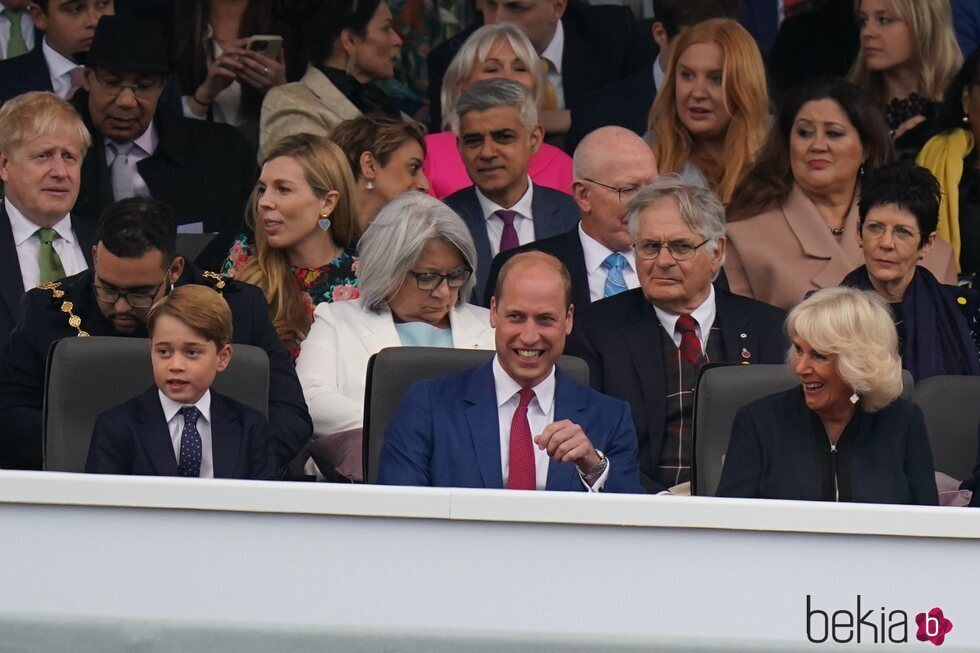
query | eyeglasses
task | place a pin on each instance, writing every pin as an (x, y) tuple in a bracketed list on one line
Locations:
[(432, 280), (678, 249), (144, 88), (625, 192), (134, 299), (900, 233)]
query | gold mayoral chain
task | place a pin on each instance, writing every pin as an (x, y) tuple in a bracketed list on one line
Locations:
[(74, 321), (217, 278)]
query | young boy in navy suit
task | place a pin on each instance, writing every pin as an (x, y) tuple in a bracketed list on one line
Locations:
[(180, 427)]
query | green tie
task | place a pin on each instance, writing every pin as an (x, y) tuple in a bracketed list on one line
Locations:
[(51, 268), (16, 45)]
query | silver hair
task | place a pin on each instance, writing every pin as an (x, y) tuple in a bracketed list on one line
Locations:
[(395, 239), (700, 209), (475, 51), (493, 93)]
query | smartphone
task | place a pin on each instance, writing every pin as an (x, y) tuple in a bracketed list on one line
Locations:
[(266, 44)]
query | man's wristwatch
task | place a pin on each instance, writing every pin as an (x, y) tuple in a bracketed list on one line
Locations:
[(598, 470)]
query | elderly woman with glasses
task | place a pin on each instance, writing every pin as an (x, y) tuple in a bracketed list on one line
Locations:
[(415, 271), (844, 433), (937, 324)]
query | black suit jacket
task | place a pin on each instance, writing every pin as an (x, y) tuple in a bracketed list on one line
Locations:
[(567, 248), (779, 450), (553, 212), (603, 43), (620, 339), (24, 360), (28, 72), (133, 438), (625, 103), (436, 63), (11, 281), (205, 171)]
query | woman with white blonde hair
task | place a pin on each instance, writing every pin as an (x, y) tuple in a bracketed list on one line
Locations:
[(844, 434)]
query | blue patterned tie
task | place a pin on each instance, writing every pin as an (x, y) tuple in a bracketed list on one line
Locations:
[(190, 444), (615, 283)]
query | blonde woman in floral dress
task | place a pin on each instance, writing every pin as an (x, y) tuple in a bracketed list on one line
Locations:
[(305, 230)]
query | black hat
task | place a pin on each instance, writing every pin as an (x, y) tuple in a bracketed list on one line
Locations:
[(130, 44)]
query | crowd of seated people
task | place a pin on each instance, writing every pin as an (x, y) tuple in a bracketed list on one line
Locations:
[(694, 218)]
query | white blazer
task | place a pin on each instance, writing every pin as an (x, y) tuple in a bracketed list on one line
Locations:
[(333, 358)]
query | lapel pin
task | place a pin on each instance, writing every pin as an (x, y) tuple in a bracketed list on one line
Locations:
[(746, 353), (742, 335)]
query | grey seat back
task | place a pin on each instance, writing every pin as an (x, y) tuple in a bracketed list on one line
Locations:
[(951, 405), (391, 371), (86, 376), (721, 390)]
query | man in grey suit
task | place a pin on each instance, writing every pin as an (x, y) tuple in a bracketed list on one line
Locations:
[(497, 132)]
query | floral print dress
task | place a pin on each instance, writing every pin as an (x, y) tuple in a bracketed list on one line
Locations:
[(336, 281)]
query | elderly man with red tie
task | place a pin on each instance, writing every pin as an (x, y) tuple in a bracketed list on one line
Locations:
[(647, 345)]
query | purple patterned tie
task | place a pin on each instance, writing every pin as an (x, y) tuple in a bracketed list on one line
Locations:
[(508, 239)]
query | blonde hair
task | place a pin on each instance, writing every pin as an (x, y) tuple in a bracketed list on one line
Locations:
[(199, 308), (857, 327), (475, 50), (325, 168), (934, 49), (34, 114), (743, 79)]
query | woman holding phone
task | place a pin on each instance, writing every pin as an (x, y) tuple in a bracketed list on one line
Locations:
[(228, 54)]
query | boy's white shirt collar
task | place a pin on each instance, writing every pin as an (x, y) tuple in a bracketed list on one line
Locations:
[(171, 407)]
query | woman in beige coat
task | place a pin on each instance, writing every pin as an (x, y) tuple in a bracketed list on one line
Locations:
[(351, 44), (793, 222)]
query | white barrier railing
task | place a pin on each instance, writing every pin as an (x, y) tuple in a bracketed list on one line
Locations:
[(93, 563)]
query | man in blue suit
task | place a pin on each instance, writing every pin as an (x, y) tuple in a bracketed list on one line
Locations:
[(517, 422), (497, 131)]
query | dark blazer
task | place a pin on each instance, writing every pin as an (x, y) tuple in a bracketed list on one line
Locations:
[(973, 482), (779, 450), (553, 212), (24, 359), (567, 248), (205, 171), (620, 338), (625, 103), (28, 72), (802, 50), (11, 281), (602, 44), (446, 434), (436, 63), (133, 438)]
